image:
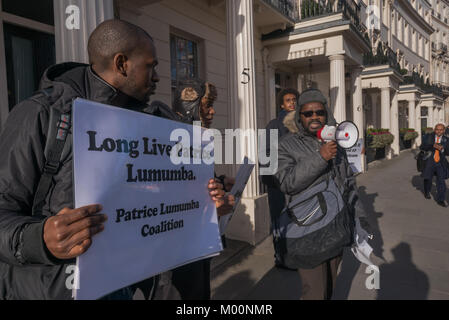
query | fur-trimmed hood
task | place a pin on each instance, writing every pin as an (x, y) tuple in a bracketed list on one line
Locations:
[(292, 120)]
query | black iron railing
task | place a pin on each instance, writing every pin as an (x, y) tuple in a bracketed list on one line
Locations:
[(287, 7), (418, 81), (383, 55), (317, 8), (438, 91), (415, 79)]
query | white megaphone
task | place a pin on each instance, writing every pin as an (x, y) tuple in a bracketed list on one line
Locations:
[(345, 134)]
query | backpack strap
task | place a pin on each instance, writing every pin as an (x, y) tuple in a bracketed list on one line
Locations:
[(58, 129)]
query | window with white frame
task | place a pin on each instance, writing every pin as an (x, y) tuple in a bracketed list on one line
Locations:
[(413, 41), (406, 34), (400, 21), (393, 22), (420, 46)]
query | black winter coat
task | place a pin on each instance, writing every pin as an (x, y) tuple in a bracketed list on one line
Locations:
[(275, 124), (27, 269), (301, 164)]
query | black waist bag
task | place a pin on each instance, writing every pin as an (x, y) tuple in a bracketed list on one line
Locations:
[(315, 226)]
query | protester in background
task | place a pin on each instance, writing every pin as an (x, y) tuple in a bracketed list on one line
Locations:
[(194, 101), (436, 164), (40, 239), (286, 101), (304, 163)]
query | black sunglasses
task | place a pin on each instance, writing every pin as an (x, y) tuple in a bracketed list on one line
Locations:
[(319, 113)]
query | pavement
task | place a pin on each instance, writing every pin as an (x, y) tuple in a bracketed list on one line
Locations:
[(410, 242)]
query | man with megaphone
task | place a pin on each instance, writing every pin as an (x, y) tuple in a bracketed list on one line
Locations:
[(319, 219), (286, 101)]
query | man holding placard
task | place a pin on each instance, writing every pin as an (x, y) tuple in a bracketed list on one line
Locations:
[(39, 234)]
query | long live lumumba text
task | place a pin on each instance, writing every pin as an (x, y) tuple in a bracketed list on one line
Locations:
[(123, 215), (148, 147)]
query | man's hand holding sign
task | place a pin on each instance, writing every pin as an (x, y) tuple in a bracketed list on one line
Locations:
[(69, 234)]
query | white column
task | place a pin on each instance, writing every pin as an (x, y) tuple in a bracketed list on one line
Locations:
[(430, 117), (411, 114), (443, 120), (357, 99), (4, 106), (299, 83), (394, 124), (357, 106), (385, 115), (418, 123), (242, 90), (412, 118), (446, 110), (385, 105), (71, 45), (436, 116), (337, 86), (270, 87), (374, 110)]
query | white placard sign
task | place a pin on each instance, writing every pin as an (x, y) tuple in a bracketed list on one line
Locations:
[(160, 214), (355, 156)]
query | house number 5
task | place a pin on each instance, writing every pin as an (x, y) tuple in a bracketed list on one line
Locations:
[(245, 73)]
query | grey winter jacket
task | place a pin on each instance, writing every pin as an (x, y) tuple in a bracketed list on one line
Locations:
[(301, 165), (27, 269)]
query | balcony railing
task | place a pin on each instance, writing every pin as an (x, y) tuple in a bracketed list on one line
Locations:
[(287, 7), (383, 55), (438, 91), (415, 79), (444, 87), (316, 8), (440, 46), (418, 81)]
